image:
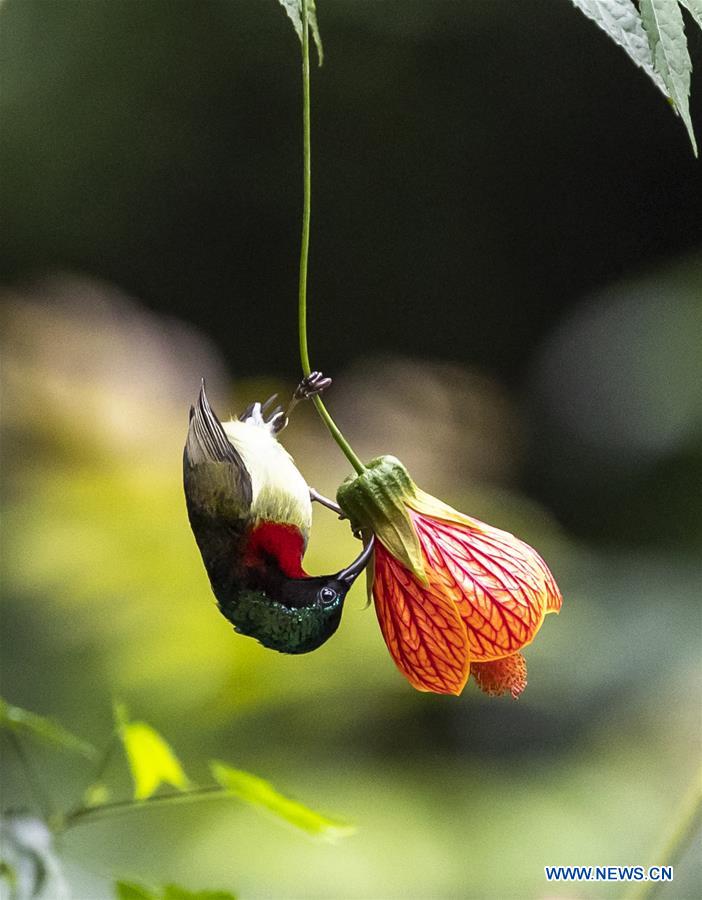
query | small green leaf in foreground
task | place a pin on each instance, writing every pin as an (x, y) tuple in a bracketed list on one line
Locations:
[(665, 28), (173, 892), (258, 792), (129, 890), (294, 10), (22, 721), (150, 758)]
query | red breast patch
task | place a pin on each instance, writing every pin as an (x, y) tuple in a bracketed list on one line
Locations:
[(283, 542)]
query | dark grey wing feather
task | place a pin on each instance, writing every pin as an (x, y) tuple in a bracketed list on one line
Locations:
[(207, 441), (217, 482)]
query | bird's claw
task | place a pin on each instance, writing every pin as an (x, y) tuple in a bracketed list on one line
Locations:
[(315, 496), (311, 385)]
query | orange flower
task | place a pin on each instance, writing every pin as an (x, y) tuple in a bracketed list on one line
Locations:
[(453, 595)]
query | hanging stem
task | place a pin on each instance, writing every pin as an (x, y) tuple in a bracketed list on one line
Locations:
[(688, 819), (305, 247)]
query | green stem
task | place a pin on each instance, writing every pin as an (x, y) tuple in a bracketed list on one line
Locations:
[(105, 757), (60, 822), (106, 810), (687, 821), (305, 247)]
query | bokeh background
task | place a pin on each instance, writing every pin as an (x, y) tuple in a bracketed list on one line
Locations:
[(505, 284)]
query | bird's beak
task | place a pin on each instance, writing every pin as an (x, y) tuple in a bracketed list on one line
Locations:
[(351, 573)]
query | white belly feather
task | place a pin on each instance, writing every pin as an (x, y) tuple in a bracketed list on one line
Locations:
[(280, 493)]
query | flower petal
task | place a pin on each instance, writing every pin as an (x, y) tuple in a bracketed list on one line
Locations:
[(501, 675), (422, 628), (502, 586), (554, 598)]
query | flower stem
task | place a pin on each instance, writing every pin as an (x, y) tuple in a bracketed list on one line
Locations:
[(305, 247), (106, 810), (687, 821)]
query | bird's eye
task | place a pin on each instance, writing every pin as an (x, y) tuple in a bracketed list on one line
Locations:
[(328, 595)]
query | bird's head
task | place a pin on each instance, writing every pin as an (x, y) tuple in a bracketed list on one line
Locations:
[(295, 615)]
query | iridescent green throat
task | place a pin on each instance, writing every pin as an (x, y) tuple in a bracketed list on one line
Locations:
[(280, 627)]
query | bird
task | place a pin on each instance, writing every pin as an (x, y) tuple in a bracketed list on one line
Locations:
[(250, 510)]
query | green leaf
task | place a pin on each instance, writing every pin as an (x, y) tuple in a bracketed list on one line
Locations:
[(129, 890), (294, 10), (21, 721), (621, 20), (173, 892), (151, 760), (664, 26), (694, 7), (257, 792)]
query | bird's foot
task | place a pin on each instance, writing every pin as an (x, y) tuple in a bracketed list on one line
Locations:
[(316, 497), (310, 386)]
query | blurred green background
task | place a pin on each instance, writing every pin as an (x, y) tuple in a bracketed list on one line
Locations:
[(506, 285)]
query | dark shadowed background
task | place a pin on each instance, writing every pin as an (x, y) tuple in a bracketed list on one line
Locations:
[(506, 285)]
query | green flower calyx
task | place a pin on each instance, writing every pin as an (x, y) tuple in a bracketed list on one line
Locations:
[(377, 500)]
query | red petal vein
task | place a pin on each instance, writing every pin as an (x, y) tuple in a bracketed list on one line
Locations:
[(501, 586), (422, 628)]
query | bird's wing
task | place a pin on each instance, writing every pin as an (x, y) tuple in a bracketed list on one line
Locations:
[(217, 482)]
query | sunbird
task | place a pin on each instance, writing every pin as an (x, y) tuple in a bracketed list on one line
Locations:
[(250, 510)]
